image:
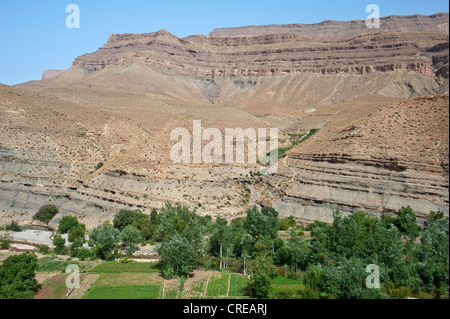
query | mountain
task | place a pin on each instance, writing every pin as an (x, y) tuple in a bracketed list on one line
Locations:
[(96, 137), (285, 70)]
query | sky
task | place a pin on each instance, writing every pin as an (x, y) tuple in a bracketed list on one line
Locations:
[(34, 36)]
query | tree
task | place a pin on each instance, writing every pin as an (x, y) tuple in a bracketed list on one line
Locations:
[(66, 224), (261, 273), (346, 279), (130, 237), (434, 257), (17, 277), (105, 239), (60, 244), (221, 239), (262, 224), (178, 257), (46, 213), (77, 233), (407, 224), (126, 217)]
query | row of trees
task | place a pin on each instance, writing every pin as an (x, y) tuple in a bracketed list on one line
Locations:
[(332, 261)]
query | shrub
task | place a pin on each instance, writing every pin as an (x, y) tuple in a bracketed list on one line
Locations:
[(14, 226), (5, 241), (43, 249), (400, 292), (82, 253)]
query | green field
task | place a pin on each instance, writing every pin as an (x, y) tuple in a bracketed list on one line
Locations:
[(115, 268), (53, 264), (218, 284), (238, 285), (124, 292)]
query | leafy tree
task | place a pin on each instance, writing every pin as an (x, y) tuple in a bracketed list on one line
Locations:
[(126, 217), (130, 237), (105, 239), (66, 224), (17, 277), (193, 233), (434, 257), (264, 223), (261, 273), (60, 245), (221, 239), (46, 213), (407, 224), (77, 233), (178, 257), (346, 279)]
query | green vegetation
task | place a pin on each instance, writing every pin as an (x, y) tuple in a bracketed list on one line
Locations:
[(46, 213), (218, 285), (295, 140), (115, 268), (124, 292), (66, 224), (14, 226), (17, 277)]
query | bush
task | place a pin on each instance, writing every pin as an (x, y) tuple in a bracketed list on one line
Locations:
[(46, 213), (82, 253), (400, 292), (5, 241), (14, 226), (43, 249)]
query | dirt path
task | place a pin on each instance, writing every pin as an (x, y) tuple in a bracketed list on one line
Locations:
[(87, 282), (207, 283), (229, 282)]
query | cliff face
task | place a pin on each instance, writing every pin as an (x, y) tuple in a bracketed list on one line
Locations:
[(408, 56), (272, 55), (344, 30)]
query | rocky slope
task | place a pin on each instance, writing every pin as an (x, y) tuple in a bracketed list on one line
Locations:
[(378, 161)]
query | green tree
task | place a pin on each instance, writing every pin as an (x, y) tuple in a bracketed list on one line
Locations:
[(261, 273), (66, 224), (60, 245), (178, 257), (407, 224), (434, 257), (221, 240), (77, 233), (104, 239), (46, 213), (17, 277), (130, 237)]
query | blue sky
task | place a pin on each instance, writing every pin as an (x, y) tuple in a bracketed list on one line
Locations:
[(34, 36)]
